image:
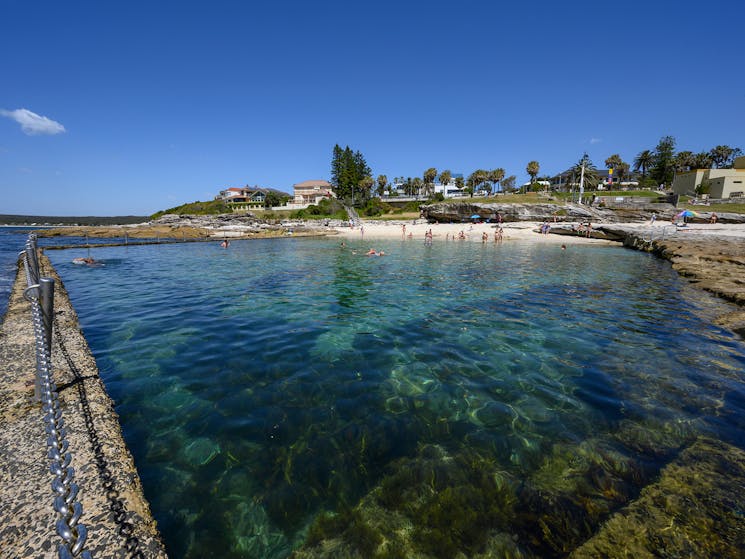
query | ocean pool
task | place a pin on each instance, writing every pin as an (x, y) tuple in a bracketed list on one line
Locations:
[(283, 391)]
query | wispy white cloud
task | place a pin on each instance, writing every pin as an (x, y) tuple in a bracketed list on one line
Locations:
[(594, 141), (33, 124)]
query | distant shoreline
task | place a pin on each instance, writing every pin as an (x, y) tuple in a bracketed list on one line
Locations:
[(11, 220)]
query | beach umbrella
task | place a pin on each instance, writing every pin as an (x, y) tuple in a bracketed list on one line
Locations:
[(687, 213), (475, 216)]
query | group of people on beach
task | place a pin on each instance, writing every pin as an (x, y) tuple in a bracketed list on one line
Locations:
[(583, 229)]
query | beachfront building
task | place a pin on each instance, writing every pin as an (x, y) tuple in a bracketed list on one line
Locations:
[(723, 183), (243, 199), (450, 190), (398, 189), (312, 192)]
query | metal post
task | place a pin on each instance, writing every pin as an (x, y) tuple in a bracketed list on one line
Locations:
[(46, 299), (33, 263)]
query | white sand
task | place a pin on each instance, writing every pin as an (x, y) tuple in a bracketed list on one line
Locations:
[(524, 231), (513, 231)]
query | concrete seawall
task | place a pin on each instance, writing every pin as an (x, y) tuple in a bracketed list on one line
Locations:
[(115, 511)]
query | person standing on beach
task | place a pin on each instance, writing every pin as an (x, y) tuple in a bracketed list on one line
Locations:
[(403, 230)]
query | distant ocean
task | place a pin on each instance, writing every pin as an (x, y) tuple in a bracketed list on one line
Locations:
[(12, 241)]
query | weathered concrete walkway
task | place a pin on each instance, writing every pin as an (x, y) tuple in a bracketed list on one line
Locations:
[(27, 519)]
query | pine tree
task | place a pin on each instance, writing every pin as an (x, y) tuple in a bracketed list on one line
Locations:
[(348, 168)]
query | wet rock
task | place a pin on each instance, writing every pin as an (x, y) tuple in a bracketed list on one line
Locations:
[(694, 510), (714, 264)]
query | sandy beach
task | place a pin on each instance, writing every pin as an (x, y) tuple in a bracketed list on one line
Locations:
[(415, 230), (523, 231)]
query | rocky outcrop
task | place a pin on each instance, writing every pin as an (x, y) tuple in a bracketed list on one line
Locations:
[(460, 212), (714, 264), (246, 219), (183, 227)]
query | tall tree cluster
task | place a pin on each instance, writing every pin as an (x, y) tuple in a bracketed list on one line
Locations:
[(350, 174), (661, 164)]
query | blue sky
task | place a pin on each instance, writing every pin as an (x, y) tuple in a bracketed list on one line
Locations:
[(153, 104)]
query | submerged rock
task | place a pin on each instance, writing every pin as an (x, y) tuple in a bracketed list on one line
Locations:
[(201, 451), (694, 510)]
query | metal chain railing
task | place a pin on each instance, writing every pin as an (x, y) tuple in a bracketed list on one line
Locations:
[(126, 529), (40, 293)]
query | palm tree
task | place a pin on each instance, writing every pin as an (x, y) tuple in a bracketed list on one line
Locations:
[(683, 161), (701, 160), (459, 182), (723, 156), (643, 162), (508, 183), (475, 179), (382, 183), (496, 175), (445, 177), (532, 169), (416, 185), (480, 176), (592, 178), (429, 180), (365, 184)]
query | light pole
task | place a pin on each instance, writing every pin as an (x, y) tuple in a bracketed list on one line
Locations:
[(582, 179)]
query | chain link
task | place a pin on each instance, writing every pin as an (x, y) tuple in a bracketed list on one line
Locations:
[(65, 503), (116, 505)]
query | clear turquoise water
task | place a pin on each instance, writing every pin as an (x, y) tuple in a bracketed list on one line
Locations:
[(259, 385), (13, 240)]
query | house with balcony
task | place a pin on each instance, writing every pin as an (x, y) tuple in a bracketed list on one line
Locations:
[(312, 192), (243, 199)]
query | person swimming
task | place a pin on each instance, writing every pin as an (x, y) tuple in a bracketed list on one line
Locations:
[(89, 261)]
